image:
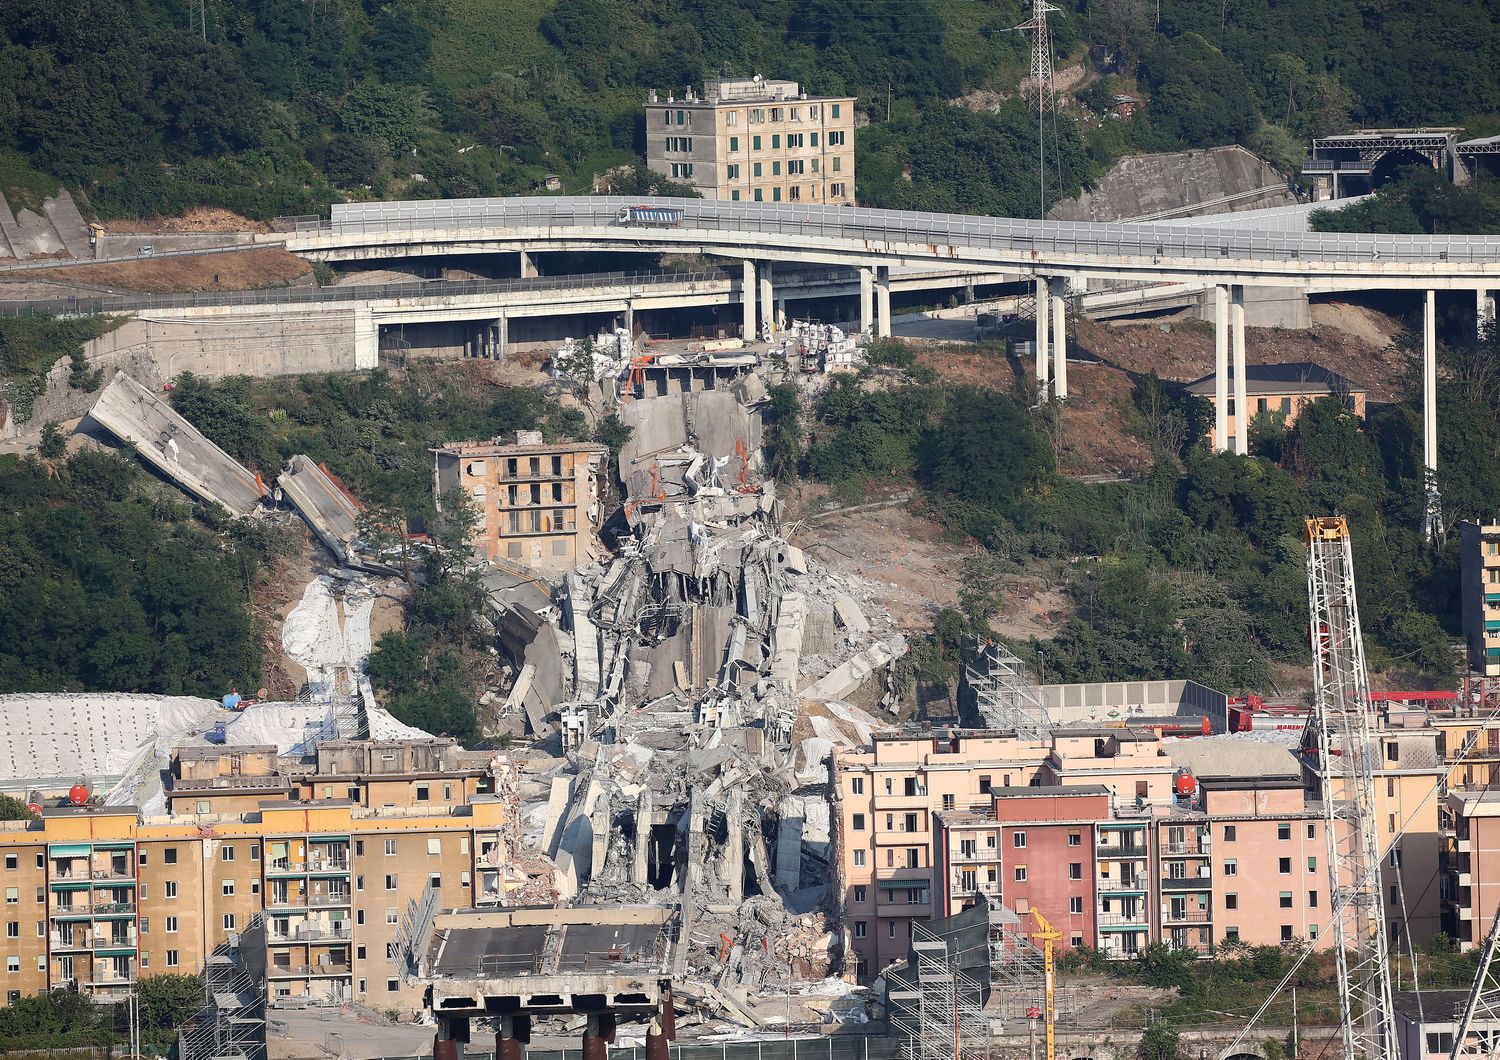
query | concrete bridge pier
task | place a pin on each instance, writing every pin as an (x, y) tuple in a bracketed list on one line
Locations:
[(767, 296), (597, 1036), (883, 301), (1484, 310), (1059, 339), (1237, 348), (528, 266), (512, 1033), (452, 1034), (866, 301), (747, 299), (1043, 320), (1221, 368), (1434, 516), (663, 1029)]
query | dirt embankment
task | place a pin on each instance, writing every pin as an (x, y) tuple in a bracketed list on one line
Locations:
[(233, 271), (200, 219)]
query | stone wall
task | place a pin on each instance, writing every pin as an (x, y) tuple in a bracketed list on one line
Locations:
[(1144, 185)]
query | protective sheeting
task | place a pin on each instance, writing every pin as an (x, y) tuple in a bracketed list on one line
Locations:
[(328, 634), (64, 736)]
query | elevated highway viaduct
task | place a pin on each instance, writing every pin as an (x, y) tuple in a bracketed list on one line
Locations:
[(1052, 254)]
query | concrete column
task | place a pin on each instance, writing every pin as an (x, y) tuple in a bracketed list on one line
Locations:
[(1043, 362), (1221, 368), (512, 1033), (528, 266), (747, 299), (866, 301), (663, 1029), (1237, 347), (630, 319), (883, 301), (502, 336), (1484, 311), (1059, 339), (598, 1035), (767, 295), (1429, 386), (448, 1042)]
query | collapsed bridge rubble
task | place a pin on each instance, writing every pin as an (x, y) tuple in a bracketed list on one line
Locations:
[(685, 693)]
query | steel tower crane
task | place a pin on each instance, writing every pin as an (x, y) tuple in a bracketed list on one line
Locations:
[(1346, 750)]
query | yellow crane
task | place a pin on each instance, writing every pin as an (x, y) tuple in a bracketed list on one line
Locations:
[(1047, 935)]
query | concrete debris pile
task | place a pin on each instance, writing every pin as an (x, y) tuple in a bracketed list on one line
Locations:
[(812, 348), (694, 685), (595, 358)]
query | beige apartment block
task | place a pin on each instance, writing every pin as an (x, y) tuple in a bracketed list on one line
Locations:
[(328, 862), (538, 505), (755, 140), (1479, 594)]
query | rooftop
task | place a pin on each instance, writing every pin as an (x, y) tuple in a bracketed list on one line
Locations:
[(1439, 1006), (497, 447), (1235, 755), (1302, 377)]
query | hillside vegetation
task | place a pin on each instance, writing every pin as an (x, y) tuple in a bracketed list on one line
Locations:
[(281, 106)]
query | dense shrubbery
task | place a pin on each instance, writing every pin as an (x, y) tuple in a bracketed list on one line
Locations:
[(109, 582), (31, 344), (67, 1019), (1419, 200)]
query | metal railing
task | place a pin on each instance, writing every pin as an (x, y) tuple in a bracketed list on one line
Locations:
[(945, 234), (362, 293)]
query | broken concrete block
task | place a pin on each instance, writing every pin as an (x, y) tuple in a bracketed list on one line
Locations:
[(847, 611)]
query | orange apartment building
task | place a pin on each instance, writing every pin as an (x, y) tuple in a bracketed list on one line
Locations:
[(537, 504), (326, 861), (1282, 390), (1471, 864)]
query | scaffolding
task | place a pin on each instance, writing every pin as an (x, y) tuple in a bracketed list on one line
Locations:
[(232, 1024), (936, 1010), (1001, 696), (1018, 972)]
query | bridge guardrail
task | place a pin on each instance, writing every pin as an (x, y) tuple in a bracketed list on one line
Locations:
[(946, 230), (418, 289)]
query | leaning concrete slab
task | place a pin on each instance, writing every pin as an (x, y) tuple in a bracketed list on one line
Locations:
[(327, 509), (174, 446)]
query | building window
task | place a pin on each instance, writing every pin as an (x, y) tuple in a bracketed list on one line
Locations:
[(757, 195), (775, 141), (423, 791), (1286, 900), (836, 191), (775, 194), (392, 985), (1074, 839), (171, 925), (833, 109), (1018, 839), (226, 854), (1231, 934), (1312, 899), (1286, 933), (1392, 751), (857, 822), (171, 958), (859, 857), (226, 888), (1312, 864), (1284, 866), (1020, 873), (1231, 868), (860, 928), (10, 861), (732, 172), (1075, 870), (13, 929), (734, 143), (1312, 831), (838, 164), (12, 896), (775, 169), (755, 143), (861, 894), (228, 921), (835, 139), (1283, 831), (948, 802), (755, 168), (1231, 901), (390, 881), (1229, 833), (1075, 903), (171, 888), (390, 848), (680, 171)]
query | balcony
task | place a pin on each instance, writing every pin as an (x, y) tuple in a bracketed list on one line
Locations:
[(303, 971), (1187, 883), (1122, 850), (1187, 916), (77, 943), (969, 857), (341, 932), (1188, 847), (285, 866), (1466, 879), (302, 901), (900, 909), (1123, 920), (1129, 885), (114, 942)]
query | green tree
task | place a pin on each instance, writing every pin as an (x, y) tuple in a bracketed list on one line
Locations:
[(1159, 1041), (54, 444), (13, 809)]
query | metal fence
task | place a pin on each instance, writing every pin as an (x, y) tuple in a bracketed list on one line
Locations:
[(841, 1047), (1038, 239), (363, 293)]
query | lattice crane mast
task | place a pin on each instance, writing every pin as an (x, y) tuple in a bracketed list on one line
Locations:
[(1346, 750)]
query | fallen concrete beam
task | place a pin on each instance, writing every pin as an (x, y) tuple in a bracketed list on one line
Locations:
[(786, 653), (327, 509), (843, 681), (849, 614), (174, 446)]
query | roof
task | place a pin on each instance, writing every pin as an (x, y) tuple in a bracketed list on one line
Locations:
[(1299, 377), (1014, 792), (503, 449), (1235, 755), (1439, 1006)]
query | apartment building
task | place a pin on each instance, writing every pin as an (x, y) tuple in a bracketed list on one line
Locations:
[(1131, 763), (1470, 883), (1282, 390), (537, 504), (1479, 594), (106, 895), (1033, 848), (755, 140)]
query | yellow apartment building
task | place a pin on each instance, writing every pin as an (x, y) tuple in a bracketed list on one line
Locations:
[(328, 861), (755, 140), (538, 504)]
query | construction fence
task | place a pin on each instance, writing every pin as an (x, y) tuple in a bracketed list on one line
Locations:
[(843, 1047)]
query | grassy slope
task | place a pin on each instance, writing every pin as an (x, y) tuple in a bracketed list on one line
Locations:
[(23, 186), (480, 38)]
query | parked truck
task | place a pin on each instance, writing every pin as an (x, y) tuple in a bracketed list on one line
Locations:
[(650, 216)]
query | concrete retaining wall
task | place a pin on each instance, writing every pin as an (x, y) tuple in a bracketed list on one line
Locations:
[(1147, 185)]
